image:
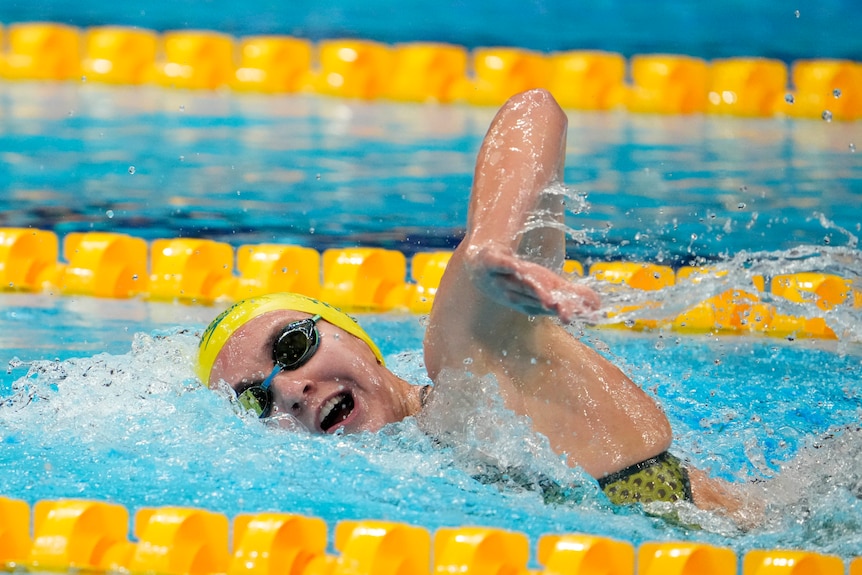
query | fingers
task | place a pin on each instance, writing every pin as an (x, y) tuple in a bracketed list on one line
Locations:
[(531, 288)]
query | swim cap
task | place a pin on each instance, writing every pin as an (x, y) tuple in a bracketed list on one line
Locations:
[(237, 315)]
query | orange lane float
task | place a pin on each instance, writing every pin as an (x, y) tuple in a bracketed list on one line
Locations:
[(781, 562), (196, 59), (42, 51), (747, 86), (103, 264), (428, 72), (353, 68), (269, 268), (187, 269), (365, 279), (502, 72), (72, 534), (273, 64), (683, 558), (826, 89), (588, 80), (27, 256), (668, 84), (119, 55)]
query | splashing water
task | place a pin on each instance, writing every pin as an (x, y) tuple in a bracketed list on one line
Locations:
[(136, 428)]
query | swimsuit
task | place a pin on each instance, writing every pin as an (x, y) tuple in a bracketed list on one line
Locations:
[(659, 478)]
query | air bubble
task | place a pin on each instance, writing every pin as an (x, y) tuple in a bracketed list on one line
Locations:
[(836, 92), (788, 98), (740, 206), (852, 147), (132, 170), (826, 115), (182, 108), (110, 214), (468, 361), (796, 13)]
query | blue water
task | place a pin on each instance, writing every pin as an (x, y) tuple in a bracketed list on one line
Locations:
[(113, 413), (99, 399), (324, 172)]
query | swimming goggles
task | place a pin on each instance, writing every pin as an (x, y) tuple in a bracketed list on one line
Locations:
[(292, 348)]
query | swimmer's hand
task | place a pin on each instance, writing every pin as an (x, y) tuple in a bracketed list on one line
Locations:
[(528, 287)]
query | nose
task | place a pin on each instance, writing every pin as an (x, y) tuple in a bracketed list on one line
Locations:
[(291, 394)]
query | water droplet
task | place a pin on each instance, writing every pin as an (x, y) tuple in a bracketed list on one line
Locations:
[(788, 98), (796, 13), (110, 214), (852, 147), (740, 206), (826, 115), (131, 170), (836, 92)]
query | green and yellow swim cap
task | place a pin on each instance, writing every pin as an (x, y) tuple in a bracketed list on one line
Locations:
[(221, 328)]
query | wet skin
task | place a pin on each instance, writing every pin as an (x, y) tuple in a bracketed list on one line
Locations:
[(342, 387), (499, 311)]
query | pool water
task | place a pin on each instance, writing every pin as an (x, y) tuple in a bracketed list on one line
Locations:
[(325, 172), (99, 398), (129, 424)]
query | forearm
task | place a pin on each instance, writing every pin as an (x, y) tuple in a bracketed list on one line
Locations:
[(522, 154)]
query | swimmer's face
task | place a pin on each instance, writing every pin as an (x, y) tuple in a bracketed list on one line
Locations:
[(342, 386)]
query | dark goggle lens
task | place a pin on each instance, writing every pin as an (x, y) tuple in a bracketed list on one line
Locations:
[(296, 344), (256, 399)]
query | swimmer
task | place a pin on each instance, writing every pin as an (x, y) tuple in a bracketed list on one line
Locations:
[(499, 311)]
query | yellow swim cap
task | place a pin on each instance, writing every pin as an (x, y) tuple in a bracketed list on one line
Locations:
[(237, 315)]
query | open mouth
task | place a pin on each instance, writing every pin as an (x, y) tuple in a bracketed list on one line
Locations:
[(335, 410)]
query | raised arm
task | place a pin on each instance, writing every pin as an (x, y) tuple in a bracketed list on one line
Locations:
[(508, 266), (495, 307), (522, 154)]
